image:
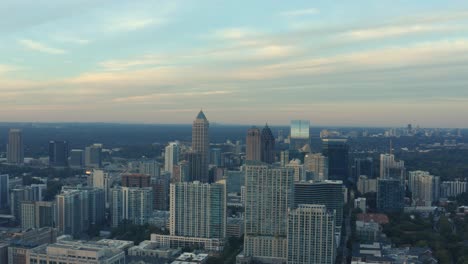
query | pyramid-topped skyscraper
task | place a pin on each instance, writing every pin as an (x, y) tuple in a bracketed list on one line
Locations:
[(201, 145)]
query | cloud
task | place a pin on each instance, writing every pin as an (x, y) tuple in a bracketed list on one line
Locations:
[(300, 12), (7, 68), (234, 33), (37, 46), (130, 24), (73, 40), (164, 97), (393, 31)]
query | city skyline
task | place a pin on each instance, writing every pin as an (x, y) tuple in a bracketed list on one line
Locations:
[(377, 64)]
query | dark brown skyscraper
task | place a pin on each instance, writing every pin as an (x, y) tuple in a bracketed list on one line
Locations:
[(201, 144), (254, 140), (267, 145)]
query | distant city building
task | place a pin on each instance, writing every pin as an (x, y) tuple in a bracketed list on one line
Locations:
[(268, 195), (267, 148), (317, 165), (76, 159), (216, 156), (201, 144), (453, 188), (253, 144), (390, 195), (181, 172), (171, 156), (337, 152), (366, 185), (361, 204), (390, 168), (328, 193), (102, 180), (298, 167), (37, 214), (132, 204), (72, 213), (15, 147), (93, 156), (311, 235), (194, 160), (58, 153), (136, 180), (234, 181), (160, 187), (284, 158), (151, 168), (363, 166), (26, 240), (4, 191), (424, 187), (300, 134)]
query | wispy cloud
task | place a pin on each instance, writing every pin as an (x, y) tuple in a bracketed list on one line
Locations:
[(234, 33), (166, 96), (393, 31), (37, 46), (300, 12), (73, 40), (7, 68), (134, 23)]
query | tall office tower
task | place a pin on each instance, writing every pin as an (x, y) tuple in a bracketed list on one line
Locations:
[(194, 160), (298, 167), (76, 159), (390, 168), (72, 213), (198, 210), (132, 204), (253, 144), (4, 191), (300, 135), (268, 196), (311, 235), (425, 188), (337, 152), (58, 153), (102, 180), (453, 188), (328, 193), (93, 156), (136, 180), (15, 147), (160, 187), (317, 165), (201, 144), (151, 168), (181, 172), (363, 166), (390, 195), (267, 146), (171, 156), (216, 156)]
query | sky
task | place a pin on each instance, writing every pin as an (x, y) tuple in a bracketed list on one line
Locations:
[(349, 63)]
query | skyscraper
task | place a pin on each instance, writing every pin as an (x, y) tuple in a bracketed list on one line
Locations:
[(390, 168), (76, 159), (15, 147), (58, 153), (198, 210), (337, 152), (363, 166), (268, 195), (93, 156), (300, 134), (4, 191), (317, 165), (171, 156), (72, 213), (267, 145), (424, 187), (102, 180), (311, 235), (132, 204), (328, 193), (390, 195), (194, 160), (150, 167), (201, 144), (253, 144)]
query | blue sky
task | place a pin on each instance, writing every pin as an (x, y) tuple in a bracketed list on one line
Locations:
[(385, 63)]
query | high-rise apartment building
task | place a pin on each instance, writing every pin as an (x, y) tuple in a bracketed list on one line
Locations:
[(72, 213), (15, 147), (150, 167), (198, 210), (171, 156), (317, 165), (201, 144), (76, 159), (37, 214), (268, 195), (58, 153), (102, 180), (93, 156), (390, 168), (328, 193), (131, 203), (300, 134), (337, 152), (311, 235), (424, 187), (453, 188), (136, 180), (4, 191), (160, 187), (253, 144)]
